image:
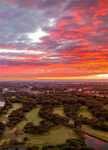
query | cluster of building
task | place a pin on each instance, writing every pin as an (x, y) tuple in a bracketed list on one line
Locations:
[(11, 88), (90, 91)]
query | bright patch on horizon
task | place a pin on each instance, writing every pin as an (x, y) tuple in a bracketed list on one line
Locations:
[(102, 76), (36, 36)]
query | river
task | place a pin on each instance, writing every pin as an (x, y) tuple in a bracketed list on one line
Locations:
[(95, 143)]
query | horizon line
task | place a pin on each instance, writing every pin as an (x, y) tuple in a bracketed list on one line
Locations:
[(89, 80)]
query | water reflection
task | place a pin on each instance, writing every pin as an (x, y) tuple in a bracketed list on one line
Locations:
[(95, 143)]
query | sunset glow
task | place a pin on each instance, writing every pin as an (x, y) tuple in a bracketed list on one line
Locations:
[(53, 39)]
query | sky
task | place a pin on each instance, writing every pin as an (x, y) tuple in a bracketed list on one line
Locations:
[(53, 39)]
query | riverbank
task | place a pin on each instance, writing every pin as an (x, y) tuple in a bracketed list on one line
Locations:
[(95, 137), (101, 135)]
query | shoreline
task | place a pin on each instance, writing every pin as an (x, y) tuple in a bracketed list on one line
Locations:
[(103, 140)]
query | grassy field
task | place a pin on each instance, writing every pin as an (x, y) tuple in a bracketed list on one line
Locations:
[(71, 121), (59, 110), (33, 115), (106, 107), (97, 133), (85, 112), (57, 135), (3, 117), (30, 116)]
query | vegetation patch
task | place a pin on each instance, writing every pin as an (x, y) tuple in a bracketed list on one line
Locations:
[(106, 106), (4, 116), (43, 120), (83, 110), (33, 116), (94, 132), (57, 135), (59, 110)]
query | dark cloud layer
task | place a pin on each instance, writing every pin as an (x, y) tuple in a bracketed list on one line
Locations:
[(70, 33)]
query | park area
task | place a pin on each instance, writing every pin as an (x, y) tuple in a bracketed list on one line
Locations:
[(57, 135)]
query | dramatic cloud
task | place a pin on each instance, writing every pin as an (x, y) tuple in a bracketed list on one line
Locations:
[(40, 39)]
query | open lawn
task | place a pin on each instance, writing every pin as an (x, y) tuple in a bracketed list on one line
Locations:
[(106, 106), (30, 116), (97, 133), (33, 115), (3, 117), (57, 135), (88, 129), (59, 110), (85, 112), (71, 121), (9, 133)]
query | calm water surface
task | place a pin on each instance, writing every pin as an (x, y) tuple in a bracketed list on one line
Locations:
[(95, 143)]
